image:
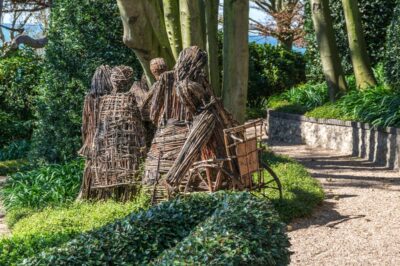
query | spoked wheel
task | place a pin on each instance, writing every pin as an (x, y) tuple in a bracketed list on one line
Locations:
[(272, 183)]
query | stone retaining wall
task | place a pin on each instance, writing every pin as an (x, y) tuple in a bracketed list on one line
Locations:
[(378, 145)]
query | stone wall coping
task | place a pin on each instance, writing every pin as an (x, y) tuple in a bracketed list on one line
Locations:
[(334, 122)]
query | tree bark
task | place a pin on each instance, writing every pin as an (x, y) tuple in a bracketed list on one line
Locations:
[(359, 56), (236, 57), (191, 23), (331, 64), (173, 26), (211, 8), (144, 32)]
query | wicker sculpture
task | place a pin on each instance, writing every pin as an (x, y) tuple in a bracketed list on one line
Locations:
[(113, 136), (183, 102)]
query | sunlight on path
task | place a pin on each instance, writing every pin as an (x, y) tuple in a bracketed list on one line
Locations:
[(358, 223)]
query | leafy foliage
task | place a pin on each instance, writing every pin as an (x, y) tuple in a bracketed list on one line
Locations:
[(375, 15), (12, 166), (52, 227), (47, 185), (272, 70), (18, 80), (162, 227), (392, 58), (378, 106), (244, 230), (83, 34)]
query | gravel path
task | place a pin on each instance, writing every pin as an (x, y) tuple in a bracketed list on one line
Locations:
[(358, 223)]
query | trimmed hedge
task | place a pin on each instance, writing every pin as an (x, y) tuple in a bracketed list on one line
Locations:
[(141, 237), (243, 231)]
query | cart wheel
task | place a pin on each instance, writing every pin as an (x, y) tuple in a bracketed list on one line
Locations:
[(275, 179)]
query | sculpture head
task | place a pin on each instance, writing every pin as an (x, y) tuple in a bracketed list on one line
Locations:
[(190, 64), (101, 81), (157, 67), (121, 78)]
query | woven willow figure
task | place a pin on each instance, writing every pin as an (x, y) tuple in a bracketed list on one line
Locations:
[(190, 124), (113, 136)]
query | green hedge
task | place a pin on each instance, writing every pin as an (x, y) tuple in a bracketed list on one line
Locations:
[(376, 16), (392, 58), (83, 34), (244, 230), (272, 70), (51, 227), (140, 238), (19, 74)]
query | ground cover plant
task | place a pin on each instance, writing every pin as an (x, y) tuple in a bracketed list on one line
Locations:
[(41, 225), (375, 105), (44, 186), (51, 227), (237, 221)]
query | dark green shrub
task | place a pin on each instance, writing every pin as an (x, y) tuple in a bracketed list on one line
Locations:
[(272, 70), (15, 150), (47, 185), (376, 16), (136, 239), (392, 59), (19, 74), (140, 238), (51, 227), (12, 166), (244, 230), (83, 34)]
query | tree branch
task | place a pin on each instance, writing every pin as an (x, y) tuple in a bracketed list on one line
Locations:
[(28, 41)]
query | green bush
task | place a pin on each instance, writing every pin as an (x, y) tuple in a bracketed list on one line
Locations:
[(12, 166), (244, 230), (392, 58), (141, 237), (19, 74), (375, 15), (272, 70), (48, 185), (83, 34), (52, 227), (15, 150)]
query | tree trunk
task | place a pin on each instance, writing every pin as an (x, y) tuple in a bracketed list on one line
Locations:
[(331, 64), (211, 7), (173, 26), (191, 23), (236, 57), (144, 32), (359, 56)]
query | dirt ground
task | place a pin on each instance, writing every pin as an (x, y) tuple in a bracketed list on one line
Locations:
[(3, 227), (358, 223)]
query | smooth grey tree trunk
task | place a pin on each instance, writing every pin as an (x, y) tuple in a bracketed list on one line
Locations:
[(359, 56), (236, 57), (331, 63)]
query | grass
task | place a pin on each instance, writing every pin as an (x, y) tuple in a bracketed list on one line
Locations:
[(51, 227), (301, 192)]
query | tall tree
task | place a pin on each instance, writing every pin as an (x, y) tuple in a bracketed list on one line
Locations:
[(284, 21), (211, 8), (331, 65), (173, 26), (359, 55), (191, 23), (236, 57)]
